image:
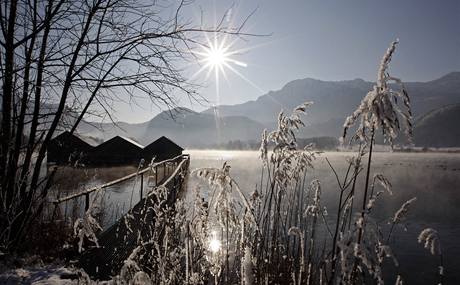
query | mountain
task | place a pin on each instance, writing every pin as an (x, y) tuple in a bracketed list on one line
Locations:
[(106, 131), (439, 127), (189, 128), (331, 100), (334, 100)]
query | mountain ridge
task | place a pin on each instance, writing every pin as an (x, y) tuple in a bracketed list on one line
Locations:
[(336, 99), (333, 101)]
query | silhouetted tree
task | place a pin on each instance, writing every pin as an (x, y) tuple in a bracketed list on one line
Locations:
[(59, 59)]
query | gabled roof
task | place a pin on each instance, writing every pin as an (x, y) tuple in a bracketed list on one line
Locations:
[(63, 134), (67, 134), (92, 141), (130, 141), (164, 140), (88, 140)]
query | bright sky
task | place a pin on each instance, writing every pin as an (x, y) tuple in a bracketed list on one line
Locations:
[(328, 40)]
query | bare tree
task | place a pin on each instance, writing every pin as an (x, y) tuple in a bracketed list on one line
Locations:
[(61, 55)]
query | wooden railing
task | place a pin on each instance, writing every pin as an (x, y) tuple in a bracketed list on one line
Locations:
[(166, 168)]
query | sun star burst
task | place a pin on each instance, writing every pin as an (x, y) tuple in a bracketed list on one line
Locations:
[(218, 57)]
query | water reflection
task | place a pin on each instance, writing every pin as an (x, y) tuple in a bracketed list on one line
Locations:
[(431, 177)]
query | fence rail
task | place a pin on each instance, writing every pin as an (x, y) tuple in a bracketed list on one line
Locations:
[(154, 167)]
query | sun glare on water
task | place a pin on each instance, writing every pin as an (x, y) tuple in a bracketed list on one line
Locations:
[(214, 243)]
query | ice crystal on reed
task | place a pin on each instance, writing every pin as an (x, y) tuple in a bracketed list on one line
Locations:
[(298, 232), (314, 208), (384, 182), (385, 251), (401, 213), (430, 238), (289, 161), (264, 147), (372, 200), (248, 278), (399, 280), (224, 204), (441, 270), (379, 108), (366, 255), (130, 266)]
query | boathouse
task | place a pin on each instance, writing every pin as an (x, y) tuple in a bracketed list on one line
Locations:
[(116, 151), (68, 149), (163, 148)]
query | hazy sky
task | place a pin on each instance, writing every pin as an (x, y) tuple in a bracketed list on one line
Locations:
[(328, 40)]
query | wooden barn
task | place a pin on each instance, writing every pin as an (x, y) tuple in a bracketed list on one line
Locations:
[(68, 148), (163, 148), (116, 151)]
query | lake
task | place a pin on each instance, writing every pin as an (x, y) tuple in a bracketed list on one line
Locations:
[(434, 178)]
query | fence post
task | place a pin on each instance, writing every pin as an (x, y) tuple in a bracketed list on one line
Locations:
[(65, 211), (142, 185), (187, 248), (174, 190), (86, 202)]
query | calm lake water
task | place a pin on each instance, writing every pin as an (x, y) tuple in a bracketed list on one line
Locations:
[(434, 178)]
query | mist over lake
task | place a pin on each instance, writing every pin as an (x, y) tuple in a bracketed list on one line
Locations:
[(431, 177)]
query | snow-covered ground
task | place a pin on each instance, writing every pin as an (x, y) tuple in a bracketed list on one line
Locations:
[(52, 275)]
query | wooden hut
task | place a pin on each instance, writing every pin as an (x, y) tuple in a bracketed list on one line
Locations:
[(163, 148), (116, 151), (68, 148)]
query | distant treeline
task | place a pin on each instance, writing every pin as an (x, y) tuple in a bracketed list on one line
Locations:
[(320, 143)]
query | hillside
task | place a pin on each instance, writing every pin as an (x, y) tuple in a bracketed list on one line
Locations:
[(439, 128)]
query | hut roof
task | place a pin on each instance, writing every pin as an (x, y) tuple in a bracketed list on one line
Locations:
[(132, 141), (89, 140), (164, 141), (118, 138), (66, 134)]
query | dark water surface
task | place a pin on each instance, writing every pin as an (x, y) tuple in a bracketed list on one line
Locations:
[(434, 178)]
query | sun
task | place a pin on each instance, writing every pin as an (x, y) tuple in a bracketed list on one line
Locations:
[(216, 57)]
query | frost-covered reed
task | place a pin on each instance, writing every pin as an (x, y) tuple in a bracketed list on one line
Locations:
[(429, 237), (431, 241), (379, 109)]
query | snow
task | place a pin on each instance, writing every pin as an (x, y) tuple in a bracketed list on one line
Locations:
[(51, 275)]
